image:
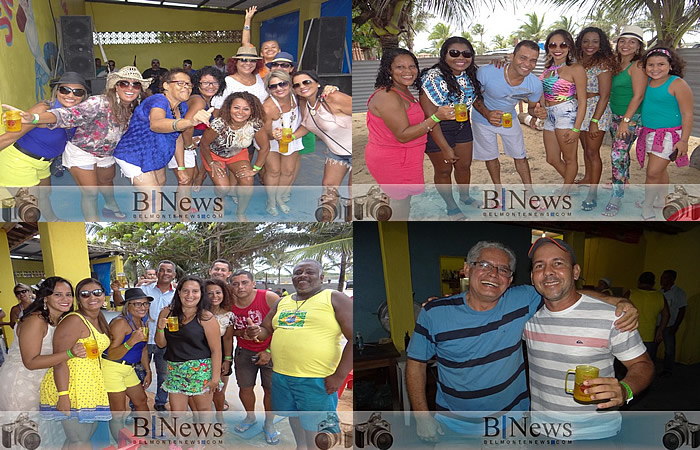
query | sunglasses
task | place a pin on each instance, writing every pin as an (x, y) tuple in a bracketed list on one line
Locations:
[(245, 60), (183, 84), (65, 90), (554, 45), (125, 84), (281, 84), (139, 304), (95, 292), (208, 83), (455, 53), (305, 83), (283, 65), (21, 291)]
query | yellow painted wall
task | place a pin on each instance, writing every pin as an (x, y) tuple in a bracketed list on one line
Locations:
[(21, 265), (7, 283), (609, 258)]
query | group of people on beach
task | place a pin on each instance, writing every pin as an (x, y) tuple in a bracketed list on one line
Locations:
[(631, 93)]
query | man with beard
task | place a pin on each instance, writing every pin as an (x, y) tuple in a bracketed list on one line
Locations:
[(476, 337), (573, 329), (306, 330)]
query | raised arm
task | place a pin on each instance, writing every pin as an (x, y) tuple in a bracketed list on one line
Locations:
[(245, 38)]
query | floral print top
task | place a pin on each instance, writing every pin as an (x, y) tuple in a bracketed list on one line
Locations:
[(96, 129), (230, 142)]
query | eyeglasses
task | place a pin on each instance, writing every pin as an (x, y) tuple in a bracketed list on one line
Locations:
[(554, 45), (209, 83), (284, 65), (305, 83), (21, 292), (455, 53), (219, 59), (488, 267), (139, 304), (65, 90), (125, 84), (245, 60), (95, 292), (281, 84), (182, 84)]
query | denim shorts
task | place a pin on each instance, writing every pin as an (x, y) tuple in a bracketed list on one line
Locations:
[(343, 160), (454, 132), (561, 116)]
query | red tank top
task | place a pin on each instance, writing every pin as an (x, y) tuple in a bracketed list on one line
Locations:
[(257, 311)]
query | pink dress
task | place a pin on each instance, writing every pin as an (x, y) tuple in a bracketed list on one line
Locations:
[(394, 163)]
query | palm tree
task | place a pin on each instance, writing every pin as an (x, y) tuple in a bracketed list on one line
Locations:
[(565, 23), (672, 18), (533, 28), (439, 35), (500, 42), (418, 23)]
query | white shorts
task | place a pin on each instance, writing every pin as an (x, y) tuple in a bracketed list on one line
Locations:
[(129, 170), (668, 144), (190, 159), (486, 141), (76, 157)]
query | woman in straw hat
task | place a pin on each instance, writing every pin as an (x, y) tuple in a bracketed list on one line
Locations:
[(99, 122), (27, 155), (244, 76)]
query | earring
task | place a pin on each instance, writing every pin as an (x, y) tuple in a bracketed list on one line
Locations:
[(119, 100), (45, 307)]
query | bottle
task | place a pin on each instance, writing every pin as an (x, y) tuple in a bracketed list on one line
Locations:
[(359, 342)]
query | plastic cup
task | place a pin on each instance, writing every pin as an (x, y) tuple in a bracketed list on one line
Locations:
[(507, 120), (286, 139), (461, 112), (173, 324), (144, 330), (91, 348), (13, 121), (581, 374)]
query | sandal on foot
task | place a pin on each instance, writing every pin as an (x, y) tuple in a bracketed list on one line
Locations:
[(244, 426), (272, 438), (588, 206), (109, 214), (272, 210), (471, 201), (284, 208), (611, 209), (639, 205), (455, 214)]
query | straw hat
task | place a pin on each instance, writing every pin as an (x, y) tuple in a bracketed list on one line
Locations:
[(247, 53), (632, 31), (127, 73)]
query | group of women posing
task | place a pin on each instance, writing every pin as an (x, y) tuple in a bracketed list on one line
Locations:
[(627, 91)]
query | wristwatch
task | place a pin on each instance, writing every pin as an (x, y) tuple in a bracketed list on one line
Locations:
[(628, 389), (626, 119)]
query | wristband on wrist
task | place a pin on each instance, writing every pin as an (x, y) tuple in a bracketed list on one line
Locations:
[(434, 117), (228, 358), (594, 120), (36, 119), (60, 393), (182, 168), (575, 130), (175, 122), (161, 330), (257, 168), (268, 350), (70, 355), (294, 137), (128, 347), (628, 389)]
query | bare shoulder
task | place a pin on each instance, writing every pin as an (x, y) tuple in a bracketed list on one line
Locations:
[(206, 315)]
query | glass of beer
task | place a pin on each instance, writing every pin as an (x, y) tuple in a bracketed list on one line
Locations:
[(173, 324), (121, 277), (144, 330), (507, 120), (582, 373), (286, 139), (91, 348), (461, 112), (13, 121)]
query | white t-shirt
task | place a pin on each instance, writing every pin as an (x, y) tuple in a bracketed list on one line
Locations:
[(233, 85)]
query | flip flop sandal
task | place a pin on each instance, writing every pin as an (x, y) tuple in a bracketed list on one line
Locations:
[(471, 201), (109, 214), (611, 210), (589, 206), (455, 214), (244, 426), (272, 439)]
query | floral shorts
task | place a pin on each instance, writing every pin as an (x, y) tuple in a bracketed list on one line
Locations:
[(188, 377)]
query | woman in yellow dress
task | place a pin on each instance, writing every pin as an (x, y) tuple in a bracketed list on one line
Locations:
[(74, 391)]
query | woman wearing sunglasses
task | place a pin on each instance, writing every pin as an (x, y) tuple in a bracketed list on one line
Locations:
[(74, 391), (30, 357), (451, 81), (27, 155), (244, 70), (127, 349), (564, 86), (596, 56), (25, 297)]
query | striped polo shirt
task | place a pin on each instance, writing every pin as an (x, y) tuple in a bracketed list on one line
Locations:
[(479, 355), (558, 341)]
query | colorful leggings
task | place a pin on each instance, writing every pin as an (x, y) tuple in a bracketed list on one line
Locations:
[(621, 154)]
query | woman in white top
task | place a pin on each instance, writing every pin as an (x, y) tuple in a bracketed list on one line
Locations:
[(243, 69), (30, 357), (281, 111), (221, 301)]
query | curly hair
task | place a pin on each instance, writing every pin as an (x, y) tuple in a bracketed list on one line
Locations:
[(257, 112), (384, 73), (203, 305), (676, 62), (227, 302), (122, 111), (569, 42), (104, 326), (45, 289), (232, 66), (603, 58), (446, 72), (212, 71)]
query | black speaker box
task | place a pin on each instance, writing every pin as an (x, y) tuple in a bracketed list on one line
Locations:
[(342, 80), (325, 47), (76, 45)]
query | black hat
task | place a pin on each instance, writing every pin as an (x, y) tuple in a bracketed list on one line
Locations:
[(70, 78), (135, 293), (558, 242)]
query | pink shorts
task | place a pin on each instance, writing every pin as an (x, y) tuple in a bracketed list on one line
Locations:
[(398, 170)]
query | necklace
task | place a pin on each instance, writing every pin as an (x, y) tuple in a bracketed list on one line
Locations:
[(312, 109), (299, 305)]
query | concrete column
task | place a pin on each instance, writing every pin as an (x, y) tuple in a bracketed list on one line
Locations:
[(64, 249)]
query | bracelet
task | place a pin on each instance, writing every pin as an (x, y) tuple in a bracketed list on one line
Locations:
[(190, 147), (128, 347), (594, 120), (434, 117), (257, 168), (182, 168), (427, 128), (575, 130), (175, 124), (268, 350), (228, 358), (36, 119), (246, 27), (70, 355), (162, 330), (60, 393)]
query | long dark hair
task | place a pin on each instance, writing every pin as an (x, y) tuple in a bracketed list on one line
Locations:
[(384, 73), (202, 307), (102, 322), (227, 300), (122, 112), (208, 70), (569, 42), (453, 86), (603, 58), (45, 289)]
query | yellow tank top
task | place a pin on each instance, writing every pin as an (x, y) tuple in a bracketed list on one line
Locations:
[(306, 338), (649, 304)]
